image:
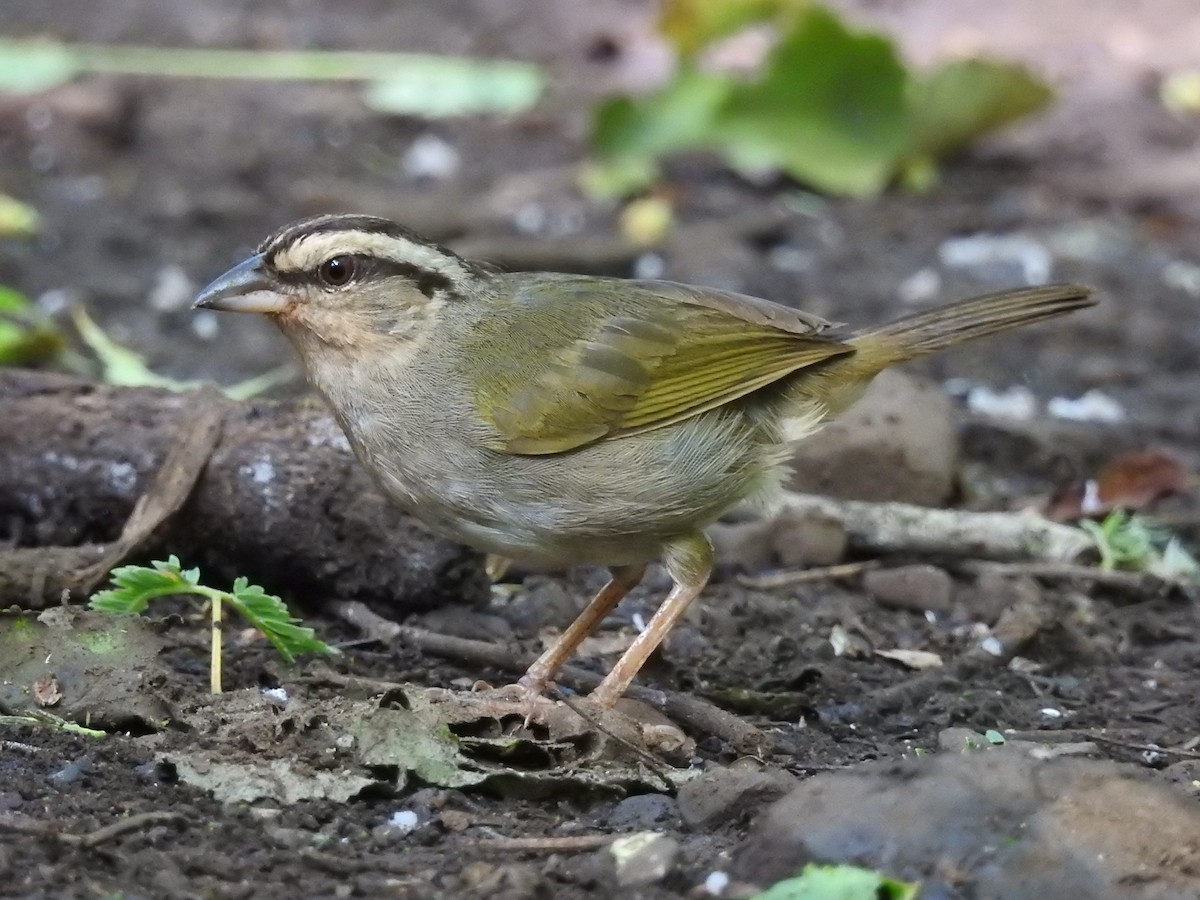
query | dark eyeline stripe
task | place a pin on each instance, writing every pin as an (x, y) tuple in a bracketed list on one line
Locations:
[(427, 281)]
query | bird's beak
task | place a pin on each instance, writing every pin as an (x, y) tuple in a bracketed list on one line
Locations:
[(244, 288)]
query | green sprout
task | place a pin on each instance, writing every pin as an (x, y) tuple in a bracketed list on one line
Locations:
[(135, 586), (1129, 541)]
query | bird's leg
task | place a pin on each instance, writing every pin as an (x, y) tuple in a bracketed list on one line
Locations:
[(538, 675), (689, 562)]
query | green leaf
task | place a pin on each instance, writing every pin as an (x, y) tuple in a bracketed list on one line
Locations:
[(830, 110), (681, 115), (692, 24), (26, 336), (961, 100), (839, 883), (447, 86), (135, 586), (17, 219), (270, 615), (27, 67), (411, 83), (127, 368)]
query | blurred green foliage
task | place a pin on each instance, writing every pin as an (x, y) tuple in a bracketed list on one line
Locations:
[(831, 107), (397, 83)]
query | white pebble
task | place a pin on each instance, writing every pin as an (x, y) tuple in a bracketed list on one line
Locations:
[(715, 883), (982, 251), (429, 156), (920, 287), (403, 821), (1094, 406), (1016, 402)]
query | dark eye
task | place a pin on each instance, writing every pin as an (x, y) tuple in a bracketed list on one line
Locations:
[(337, 271)]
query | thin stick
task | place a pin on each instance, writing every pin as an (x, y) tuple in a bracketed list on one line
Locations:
[(214, 664), (791, 577), (1130, 581), (575, 843)]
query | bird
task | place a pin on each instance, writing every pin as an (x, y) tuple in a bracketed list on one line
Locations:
[(563, 420)]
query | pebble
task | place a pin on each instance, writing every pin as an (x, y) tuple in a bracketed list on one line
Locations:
[(807, 538), (644, 858), (919, 587)]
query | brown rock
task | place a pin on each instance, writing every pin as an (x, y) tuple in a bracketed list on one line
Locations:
[(897, 443), (807, 538), (918, 588)]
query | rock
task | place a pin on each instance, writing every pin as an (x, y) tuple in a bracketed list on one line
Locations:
[(807, 538), (991, 825), (644, 811), (994, 592), (897, 443), (962, 740), (744, 545), (725, 795), (643, 858), (918, 588), (793, 538)]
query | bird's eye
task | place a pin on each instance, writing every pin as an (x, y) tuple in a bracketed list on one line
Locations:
[(337, 271)]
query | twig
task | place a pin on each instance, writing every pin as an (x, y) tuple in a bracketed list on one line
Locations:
[(575, 843), (1136, 582), (904, 528), (1141, 748), (112, 831), (654, 764), (694, 714), (792, 577)]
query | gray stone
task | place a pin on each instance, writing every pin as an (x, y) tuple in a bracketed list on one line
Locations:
[(644, 811), (725, 795), (897, 443), (996, 825)]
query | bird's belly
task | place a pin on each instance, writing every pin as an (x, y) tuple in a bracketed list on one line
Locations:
[(614, 502)]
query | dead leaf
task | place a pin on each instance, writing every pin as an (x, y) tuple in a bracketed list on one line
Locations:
[(1130, 481), (46, 691), (914, 659)]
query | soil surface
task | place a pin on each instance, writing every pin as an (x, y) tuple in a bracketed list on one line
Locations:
[(149, 188)]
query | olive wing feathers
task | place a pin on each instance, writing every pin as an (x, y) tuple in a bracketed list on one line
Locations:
[(591, 358)]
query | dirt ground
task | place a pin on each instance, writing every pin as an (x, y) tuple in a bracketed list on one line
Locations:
[(147, 189)]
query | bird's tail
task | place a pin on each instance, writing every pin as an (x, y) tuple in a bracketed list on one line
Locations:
[(923, 333)]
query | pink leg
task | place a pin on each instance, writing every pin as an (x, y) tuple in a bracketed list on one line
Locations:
[(689, 562), (624, 580)]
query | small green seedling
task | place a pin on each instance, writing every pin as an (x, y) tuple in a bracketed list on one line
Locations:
[(135, 586), (1129, 541), (840, 882)]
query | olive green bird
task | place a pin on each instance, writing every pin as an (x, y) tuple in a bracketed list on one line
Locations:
[(566, 420)]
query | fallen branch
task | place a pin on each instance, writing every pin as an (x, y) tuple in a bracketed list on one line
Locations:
[(905, 528), (281, 500)]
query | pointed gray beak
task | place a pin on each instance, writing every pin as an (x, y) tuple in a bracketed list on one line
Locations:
[(244, 288)]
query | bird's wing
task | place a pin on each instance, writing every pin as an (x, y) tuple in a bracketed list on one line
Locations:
[(589, 358)]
